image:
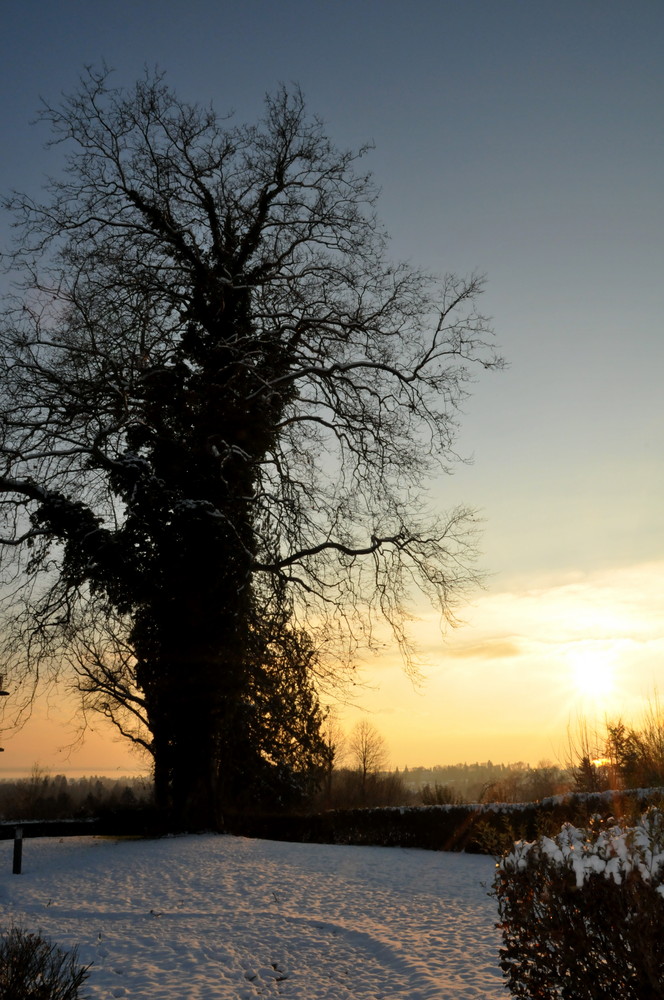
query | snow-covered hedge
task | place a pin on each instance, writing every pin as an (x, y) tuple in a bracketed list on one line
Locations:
[(488, 828), (582, 913)]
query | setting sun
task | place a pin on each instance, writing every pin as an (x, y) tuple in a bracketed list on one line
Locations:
[(592, 671)]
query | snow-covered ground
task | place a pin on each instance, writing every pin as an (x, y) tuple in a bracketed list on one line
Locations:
[(213, 917)]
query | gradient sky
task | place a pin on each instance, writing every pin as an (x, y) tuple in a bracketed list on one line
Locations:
[(523, 139)]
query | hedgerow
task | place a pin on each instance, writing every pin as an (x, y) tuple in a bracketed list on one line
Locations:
[(488, 828)]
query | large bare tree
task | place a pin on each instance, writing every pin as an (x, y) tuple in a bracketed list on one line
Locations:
[(220, 403)]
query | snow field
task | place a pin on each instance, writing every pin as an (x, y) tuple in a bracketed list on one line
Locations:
[(225, 918)]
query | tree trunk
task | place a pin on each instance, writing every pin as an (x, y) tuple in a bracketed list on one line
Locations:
[(191, 648)]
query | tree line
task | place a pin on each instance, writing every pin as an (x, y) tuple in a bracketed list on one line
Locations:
[(617, 757), (348, 786), (45, 796)]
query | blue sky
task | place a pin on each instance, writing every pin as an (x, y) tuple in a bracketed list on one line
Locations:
[(521, 139)]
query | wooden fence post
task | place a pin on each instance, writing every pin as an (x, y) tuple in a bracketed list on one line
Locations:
[(18, 850)]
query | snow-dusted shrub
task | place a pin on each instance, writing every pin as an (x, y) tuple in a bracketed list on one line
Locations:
[(31, 968), (582, 913)]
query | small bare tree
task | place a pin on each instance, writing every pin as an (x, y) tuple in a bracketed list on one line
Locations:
[(367, 750)]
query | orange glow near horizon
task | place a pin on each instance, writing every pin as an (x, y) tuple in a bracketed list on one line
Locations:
[(506, 686)]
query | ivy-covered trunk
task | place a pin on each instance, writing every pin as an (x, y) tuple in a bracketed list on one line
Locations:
[(191, 703), (190, 641), (185, 763)]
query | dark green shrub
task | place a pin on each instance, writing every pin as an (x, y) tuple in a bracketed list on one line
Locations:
[(31, 968), (582, 913)]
